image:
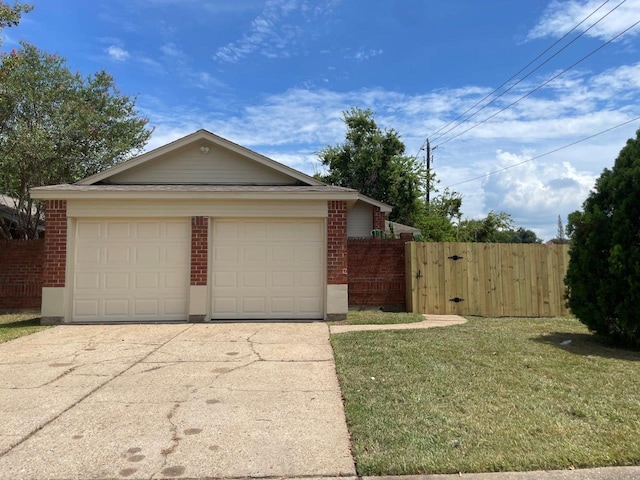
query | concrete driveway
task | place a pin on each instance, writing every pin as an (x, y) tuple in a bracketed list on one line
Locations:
[(172, 401)]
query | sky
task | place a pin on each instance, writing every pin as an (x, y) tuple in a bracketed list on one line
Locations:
[(276, 76)]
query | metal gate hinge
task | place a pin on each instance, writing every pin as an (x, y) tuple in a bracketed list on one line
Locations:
[(455, 257), (456, 299)]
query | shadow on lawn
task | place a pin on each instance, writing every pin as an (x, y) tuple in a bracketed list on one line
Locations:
[(588, 345), (29, 322)]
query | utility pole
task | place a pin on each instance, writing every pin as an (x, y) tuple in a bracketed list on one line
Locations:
[(428, 163)]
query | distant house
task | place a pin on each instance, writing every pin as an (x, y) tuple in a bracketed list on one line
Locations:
[(201, 229), (9, 219)]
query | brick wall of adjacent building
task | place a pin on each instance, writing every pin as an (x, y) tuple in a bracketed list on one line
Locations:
[(378, 219), (199, 247), (337, 243), (376, 273), (55, 243), (21, 274)]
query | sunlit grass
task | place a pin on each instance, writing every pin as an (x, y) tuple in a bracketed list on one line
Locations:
[(489, 395)]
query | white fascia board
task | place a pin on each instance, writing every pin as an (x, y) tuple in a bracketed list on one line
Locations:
[(177, 195)]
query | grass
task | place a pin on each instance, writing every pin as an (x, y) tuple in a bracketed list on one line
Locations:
[(377, 317), (14, 325), (489, 395)]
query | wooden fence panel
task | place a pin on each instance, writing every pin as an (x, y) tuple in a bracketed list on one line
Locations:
[(493, 280)]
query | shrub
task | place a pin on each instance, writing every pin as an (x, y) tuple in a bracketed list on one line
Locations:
[(603, 278)]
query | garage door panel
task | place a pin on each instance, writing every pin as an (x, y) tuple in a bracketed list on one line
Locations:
[(253, 253), (308, 253), (146, 306), (147, 281), (88, 254), (282, 305), (309, 305), (116, 281), (146, 255), (117, 255), (280, 276), (118, 230), (116, 307), (225, 305), (86, 308), (128, 270), (147, 230), (283, 279)]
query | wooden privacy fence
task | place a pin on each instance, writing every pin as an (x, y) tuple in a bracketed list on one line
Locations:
[(486, 279)]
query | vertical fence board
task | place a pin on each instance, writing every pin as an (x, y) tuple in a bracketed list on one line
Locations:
[(524, 280)]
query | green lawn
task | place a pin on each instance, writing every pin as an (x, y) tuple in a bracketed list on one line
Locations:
[(489, 395), (377, 317), (14, 325)]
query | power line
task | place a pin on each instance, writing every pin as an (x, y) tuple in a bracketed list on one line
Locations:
[(539, 86), (545, 154), (511, 87), (516, 74)]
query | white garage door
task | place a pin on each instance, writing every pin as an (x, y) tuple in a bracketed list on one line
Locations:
[(131, 270), (267, 268)]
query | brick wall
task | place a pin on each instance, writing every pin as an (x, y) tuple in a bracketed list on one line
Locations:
[(376, 273), (55, 243), (337, 243), (378, 219), (21, 274), (199, 248)]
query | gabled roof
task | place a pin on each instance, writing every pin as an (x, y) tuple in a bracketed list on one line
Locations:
[(108, 184), (194, 138)]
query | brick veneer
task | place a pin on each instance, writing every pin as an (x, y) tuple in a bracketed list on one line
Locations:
[(378, 219), (21, 274), (55, 243), (377, 273), (199, 249), (337, 243)]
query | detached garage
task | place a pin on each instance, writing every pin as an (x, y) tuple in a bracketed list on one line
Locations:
[(201, 229)]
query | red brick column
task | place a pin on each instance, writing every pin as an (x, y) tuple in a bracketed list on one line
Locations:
[(55, 244), (378, 219), (337, 243), (199, 250)]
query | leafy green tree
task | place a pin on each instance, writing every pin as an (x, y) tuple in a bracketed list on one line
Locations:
[(372, 161), (10, 15), (521, 235), (603, 278), (442, 214), (495, 227), (58, 127)]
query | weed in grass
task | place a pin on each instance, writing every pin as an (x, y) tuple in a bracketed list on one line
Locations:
[(490, 395)]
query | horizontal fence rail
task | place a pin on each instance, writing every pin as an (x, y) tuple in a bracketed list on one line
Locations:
[(486, 279)]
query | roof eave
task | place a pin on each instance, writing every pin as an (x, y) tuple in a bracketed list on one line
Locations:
[(186, 195)]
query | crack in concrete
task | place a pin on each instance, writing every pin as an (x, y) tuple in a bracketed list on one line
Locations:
[(91, 392)]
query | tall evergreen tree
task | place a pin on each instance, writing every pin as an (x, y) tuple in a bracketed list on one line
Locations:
[(603, 278)]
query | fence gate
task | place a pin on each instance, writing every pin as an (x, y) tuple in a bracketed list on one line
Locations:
[(486, 279)]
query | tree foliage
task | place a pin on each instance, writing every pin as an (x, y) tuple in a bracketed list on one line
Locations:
[(603, 278), (58, 127), (372, 161), (10, 15)]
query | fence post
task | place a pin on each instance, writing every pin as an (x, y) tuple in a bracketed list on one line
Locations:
[(411, 267)]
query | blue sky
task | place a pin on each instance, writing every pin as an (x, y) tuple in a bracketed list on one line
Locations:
[(276, 75)]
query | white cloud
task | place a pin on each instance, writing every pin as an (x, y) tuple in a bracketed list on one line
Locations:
[(292, 126), (561, 16), (117, 53), (364, 54), (275, 32)]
